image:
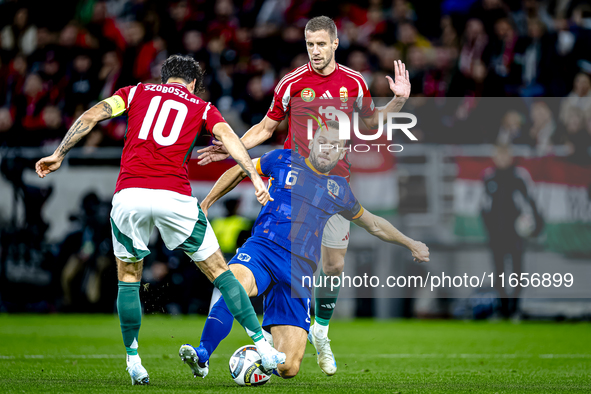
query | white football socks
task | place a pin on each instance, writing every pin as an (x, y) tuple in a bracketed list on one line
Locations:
[(268, 337), (133, 359), (320, 331), (263, 346)]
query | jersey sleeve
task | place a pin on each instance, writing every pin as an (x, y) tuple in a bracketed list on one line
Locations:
[(211, 117), (117, 105), (353, 209), (277, 110), (126, 94), (120, 99), (269, 160)]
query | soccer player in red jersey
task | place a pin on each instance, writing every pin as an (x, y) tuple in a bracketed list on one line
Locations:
[(322, 80), (153, 189)]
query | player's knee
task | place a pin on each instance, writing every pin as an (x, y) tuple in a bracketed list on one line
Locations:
[(288, 370), (333, 264), (333, 270), (213, 266), (129, 272)]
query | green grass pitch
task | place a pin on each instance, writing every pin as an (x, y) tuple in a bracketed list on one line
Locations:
[(84, 354)]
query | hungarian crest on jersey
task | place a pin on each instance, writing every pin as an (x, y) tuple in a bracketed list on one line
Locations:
[(308, 94), (344, 94)]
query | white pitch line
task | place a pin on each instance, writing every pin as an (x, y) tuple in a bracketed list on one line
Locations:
[(452, 355)]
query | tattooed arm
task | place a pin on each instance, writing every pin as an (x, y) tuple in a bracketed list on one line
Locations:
[(79, 129)]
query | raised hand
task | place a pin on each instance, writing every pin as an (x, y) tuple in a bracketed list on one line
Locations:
[(400, 86)]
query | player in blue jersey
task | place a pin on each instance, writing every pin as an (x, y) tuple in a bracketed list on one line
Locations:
[(285, 245)]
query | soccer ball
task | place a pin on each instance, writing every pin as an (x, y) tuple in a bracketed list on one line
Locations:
[(246, 368)]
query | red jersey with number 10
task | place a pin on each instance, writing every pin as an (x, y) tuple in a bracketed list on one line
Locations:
[(164, 121), (304, 91)]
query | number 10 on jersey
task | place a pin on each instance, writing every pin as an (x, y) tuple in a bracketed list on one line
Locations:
[(163, 113)]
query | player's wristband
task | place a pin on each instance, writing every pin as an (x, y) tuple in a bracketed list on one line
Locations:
[(117, 105)]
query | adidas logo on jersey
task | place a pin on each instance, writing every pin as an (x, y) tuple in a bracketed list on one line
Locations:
[(327, 95), (332, 305)]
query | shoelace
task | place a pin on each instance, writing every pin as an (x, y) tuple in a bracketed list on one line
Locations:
[(135, 368), (324, 344)]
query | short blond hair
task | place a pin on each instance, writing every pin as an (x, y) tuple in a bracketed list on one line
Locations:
[(322, 23)]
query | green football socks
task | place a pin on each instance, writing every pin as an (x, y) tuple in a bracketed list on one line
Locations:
[(130, 314), (325, 300), (239, 304)]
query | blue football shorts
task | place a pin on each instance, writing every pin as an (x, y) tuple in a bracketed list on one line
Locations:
[(283, 279)]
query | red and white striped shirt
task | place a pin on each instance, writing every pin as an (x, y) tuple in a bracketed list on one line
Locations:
[(303, 91)]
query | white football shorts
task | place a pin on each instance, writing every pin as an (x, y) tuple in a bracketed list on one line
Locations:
[(336, 232), (179, 219)]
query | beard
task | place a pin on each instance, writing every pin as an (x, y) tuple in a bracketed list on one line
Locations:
[(323, 168), (323, 65)]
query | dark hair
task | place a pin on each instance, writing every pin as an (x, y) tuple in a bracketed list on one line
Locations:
[(322, 23), (185, 68)]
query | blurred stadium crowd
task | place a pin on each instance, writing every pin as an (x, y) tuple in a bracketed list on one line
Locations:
[(52, 69), (57, 60)]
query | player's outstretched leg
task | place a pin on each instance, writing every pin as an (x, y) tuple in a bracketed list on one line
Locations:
[(238, 303), (218, 324), (217, 327), (196, 358), (130, 317)]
